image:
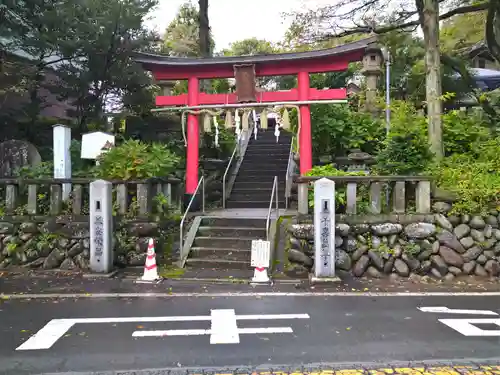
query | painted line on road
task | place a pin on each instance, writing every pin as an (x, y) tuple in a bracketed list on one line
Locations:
[(446, 310), (224, 329), (467, 328), (48, 335), (247, 294), (199, 332)]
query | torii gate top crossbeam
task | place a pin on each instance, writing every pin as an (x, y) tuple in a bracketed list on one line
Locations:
[(326, 60)]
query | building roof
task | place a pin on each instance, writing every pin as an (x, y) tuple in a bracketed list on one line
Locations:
[(168, 61)]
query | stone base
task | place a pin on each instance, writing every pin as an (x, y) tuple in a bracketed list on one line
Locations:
[(100, 275), (323, 280)]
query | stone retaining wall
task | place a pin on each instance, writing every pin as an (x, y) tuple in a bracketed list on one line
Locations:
[(64, 242), (434, 245)]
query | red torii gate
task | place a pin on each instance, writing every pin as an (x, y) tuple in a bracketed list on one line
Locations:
[(166, 68)]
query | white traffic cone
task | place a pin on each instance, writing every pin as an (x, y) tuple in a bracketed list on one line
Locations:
[(260, 276), (150, 270)]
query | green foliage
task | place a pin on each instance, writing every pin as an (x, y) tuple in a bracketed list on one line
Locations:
[(461, 131), (135, 160), (406, 149), (474, 178), (340, 191), (337, 129), (88, 46)]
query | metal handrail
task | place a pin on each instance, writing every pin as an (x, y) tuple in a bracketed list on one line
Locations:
[(274, 192), (288, 186), (202, 183), (225, 175)]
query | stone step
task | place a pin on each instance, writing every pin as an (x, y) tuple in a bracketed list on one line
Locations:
[(270, 140), (253, 204), (256, 185), (224, 242), (269, 146), (218, 264), (256, 196), (264, 160), (264, 163), (214, 231), (244, 178), (211, 254), (231, 222), (242, 190), (260, 172)]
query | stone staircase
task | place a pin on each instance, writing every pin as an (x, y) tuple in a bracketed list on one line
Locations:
[(264, 159), (225, 243)]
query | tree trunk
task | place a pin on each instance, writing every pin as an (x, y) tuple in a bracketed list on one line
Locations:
[(204, 28), (204, 36), (429, 20)]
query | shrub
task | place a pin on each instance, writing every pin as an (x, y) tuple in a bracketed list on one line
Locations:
[(340, 191), (137, 160), (461, 130), (474, 178), (336, 129), (406, 148)]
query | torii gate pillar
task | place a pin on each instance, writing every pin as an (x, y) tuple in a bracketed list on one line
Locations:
[(305, 136), (193, 141)]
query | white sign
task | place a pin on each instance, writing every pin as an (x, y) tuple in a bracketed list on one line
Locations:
[(224, 329), (467, 327), (62, 156), (93, 144), (324, 228), (261, 253)]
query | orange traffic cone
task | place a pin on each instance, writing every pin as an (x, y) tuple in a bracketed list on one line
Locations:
[(150, 270)]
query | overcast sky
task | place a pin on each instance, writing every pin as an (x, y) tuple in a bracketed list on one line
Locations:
[(231, 22)]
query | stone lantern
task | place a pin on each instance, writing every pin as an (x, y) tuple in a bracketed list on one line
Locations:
[(166, 87), (372, 69)]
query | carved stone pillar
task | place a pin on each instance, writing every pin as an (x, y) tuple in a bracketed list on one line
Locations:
[(372, 69)]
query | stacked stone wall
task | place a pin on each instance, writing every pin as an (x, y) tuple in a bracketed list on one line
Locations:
[(437, 245)]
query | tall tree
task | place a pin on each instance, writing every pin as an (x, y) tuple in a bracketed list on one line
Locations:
[(182, 36), (106, 38), (348, 17)]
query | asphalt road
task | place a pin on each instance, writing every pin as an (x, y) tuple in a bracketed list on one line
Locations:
[(318, 330)]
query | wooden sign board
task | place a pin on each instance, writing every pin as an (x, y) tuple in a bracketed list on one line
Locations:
[(245, 82)]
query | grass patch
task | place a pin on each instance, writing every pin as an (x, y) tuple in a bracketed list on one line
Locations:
[(171, 272)]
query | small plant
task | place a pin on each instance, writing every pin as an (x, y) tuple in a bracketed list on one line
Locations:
[(11, 248), (411, 248)]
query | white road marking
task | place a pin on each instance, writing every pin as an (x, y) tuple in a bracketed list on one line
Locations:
[(467, 328), (224, 329), (272, 316), (247, 294), (48, 335), (198, 332), (172, 332), (442, 309)]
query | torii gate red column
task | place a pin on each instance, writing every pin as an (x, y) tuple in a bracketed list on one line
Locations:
[(193, 140), (305, 136)]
